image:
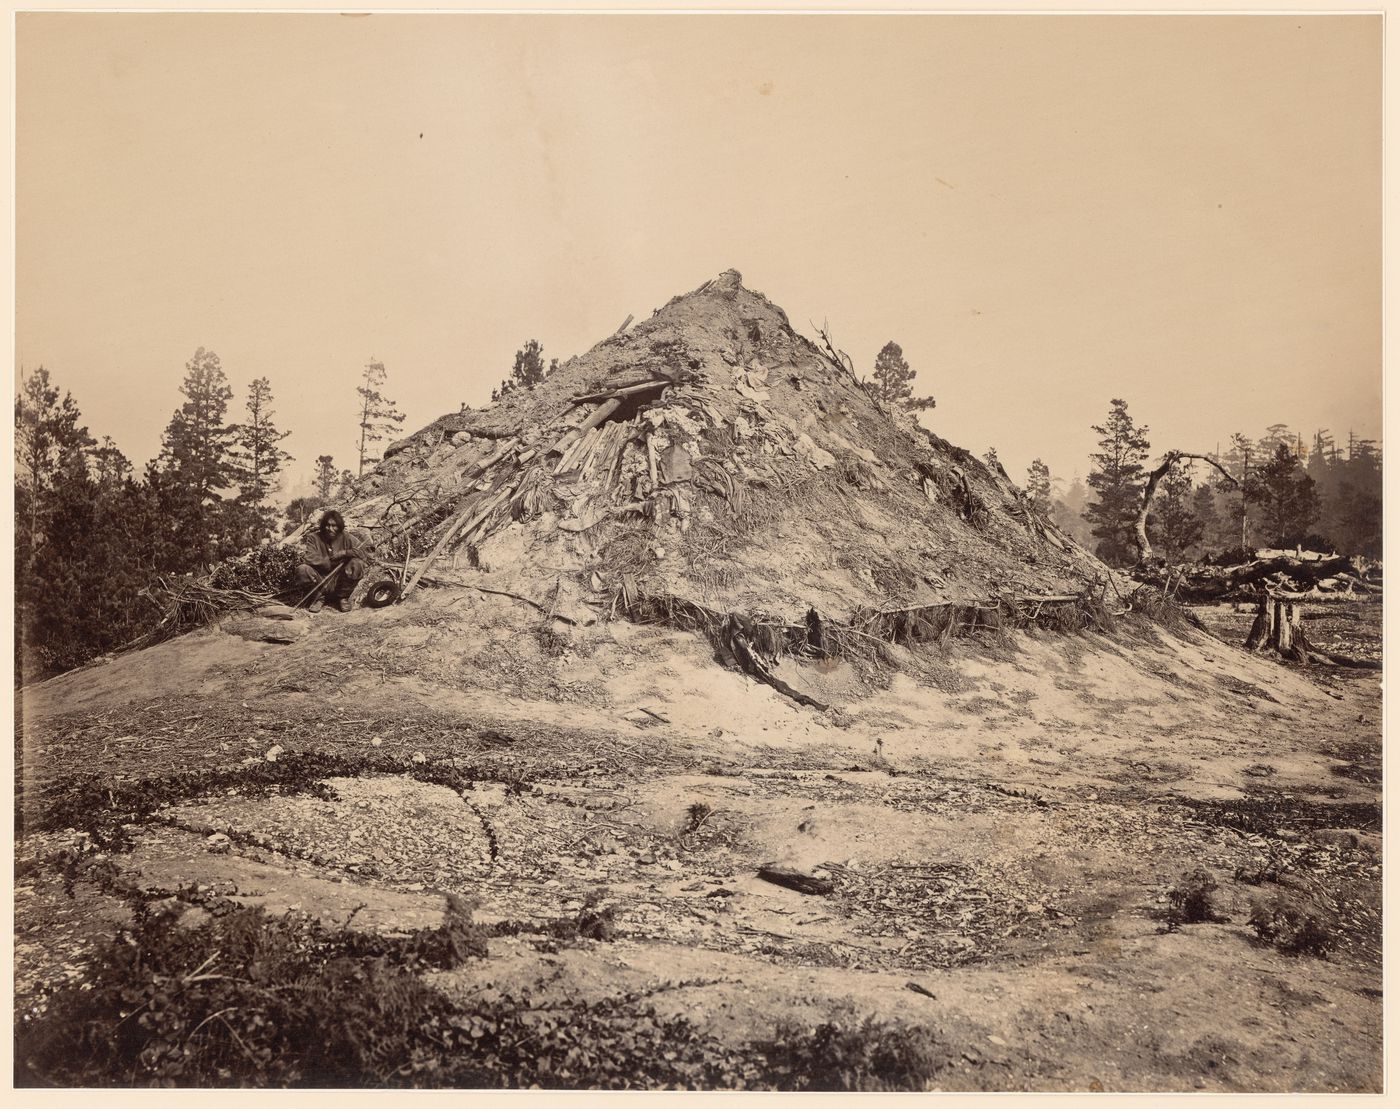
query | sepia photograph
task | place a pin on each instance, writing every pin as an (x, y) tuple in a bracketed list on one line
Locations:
[(790, 551)]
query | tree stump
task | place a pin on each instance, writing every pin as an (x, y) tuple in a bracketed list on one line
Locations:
[(1278, 627)]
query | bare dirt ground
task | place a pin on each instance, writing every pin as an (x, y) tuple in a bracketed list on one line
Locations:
[(1001, 823)]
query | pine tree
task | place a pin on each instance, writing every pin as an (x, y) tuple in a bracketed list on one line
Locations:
[(1275, 436), (1174, 526), (1038, 485), (894, 380), (1240, 461), (49, 443), (300, 510), (1215, 532), (1068, 510), (345, 486), (529, 370), (258, 458), (325, 478), (195, 450), (1287, 496), (1117, 480), (378, 416), (112, 467), (195, 468), (1320, 457), (1357, 513), (86, 538)]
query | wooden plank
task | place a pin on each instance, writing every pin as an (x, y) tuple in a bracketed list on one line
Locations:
[(573, 454), (629, 390), (457, 524), (596, 417), (474, 471)]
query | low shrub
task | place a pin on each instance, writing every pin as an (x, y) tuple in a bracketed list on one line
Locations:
[(250, 1000), (1192, 899), (1293, 925), (849, 1055), (264, 569)]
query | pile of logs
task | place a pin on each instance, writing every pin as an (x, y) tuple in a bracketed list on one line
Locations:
[(1289, 576)]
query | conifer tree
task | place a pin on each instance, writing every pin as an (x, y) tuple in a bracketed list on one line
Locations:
[(1038, 485), (1068, 510), (378, 416), (1173, 524), (49, 443), (111, 465), (325, 477), (85, 542), (1287, 496), (1117, 480), (196, 448), (1215, 532), (1241, 461), (529, 370), (894, 380), (257, 456)]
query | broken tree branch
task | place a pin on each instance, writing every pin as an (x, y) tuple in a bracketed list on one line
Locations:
[(533, 604)]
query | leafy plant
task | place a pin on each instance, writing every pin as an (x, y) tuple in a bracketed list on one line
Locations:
[(248, 999), (1292, 925), (1192, 899), (869, 1055)]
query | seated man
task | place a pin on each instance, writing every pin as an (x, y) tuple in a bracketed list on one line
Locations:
[(329, 546)]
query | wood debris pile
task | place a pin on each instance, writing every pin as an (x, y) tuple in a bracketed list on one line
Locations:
[(1302, 575)]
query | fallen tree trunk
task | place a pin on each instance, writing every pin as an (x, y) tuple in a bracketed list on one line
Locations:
[(796, 880), (596, 417), (1347, 661), (1284, 575), (629, 390)]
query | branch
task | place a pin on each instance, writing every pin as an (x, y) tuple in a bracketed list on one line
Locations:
[(839, 357), (1168, 463)]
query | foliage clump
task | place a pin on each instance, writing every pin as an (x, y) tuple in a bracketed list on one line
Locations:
[(1292, 925), (1192, 899), (867, 1055), (249, 999), (264, 569)]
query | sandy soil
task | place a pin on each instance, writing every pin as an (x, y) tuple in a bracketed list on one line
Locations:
[(1001, 823)]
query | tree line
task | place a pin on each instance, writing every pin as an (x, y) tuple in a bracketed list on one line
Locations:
[(92, 536), (1278, 490)]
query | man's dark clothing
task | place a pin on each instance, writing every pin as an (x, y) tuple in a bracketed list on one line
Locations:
[(319, 556)]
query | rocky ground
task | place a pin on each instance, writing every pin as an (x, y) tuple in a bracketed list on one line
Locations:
[(1138, 862)]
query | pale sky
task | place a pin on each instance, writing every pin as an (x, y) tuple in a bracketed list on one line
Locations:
[(1046, 212)]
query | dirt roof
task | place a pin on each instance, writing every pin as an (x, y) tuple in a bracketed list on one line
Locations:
[(712, 453)]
